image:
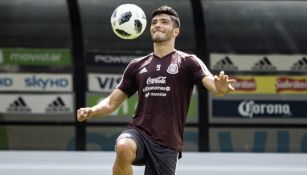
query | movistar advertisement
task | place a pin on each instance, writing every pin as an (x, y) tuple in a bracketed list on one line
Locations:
[(259, 109), (285, 84), (126, 111), (260, 140), (24, 104), (35, 82), (259, 63), (33, 56)]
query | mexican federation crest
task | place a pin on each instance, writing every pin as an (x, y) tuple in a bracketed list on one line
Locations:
[(172, 69)]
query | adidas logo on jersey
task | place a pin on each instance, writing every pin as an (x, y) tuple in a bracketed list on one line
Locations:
[(300, 65), (18, 106), (143, 70), (225, 64), (57, 106), (264, 65)]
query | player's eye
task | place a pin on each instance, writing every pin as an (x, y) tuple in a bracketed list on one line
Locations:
[(165, 22), (153, 22)]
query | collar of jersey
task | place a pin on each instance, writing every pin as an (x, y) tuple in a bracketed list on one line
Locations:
[(166, 54)]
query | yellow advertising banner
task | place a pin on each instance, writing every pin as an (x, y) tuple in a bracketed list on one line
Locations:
[(270, 84)]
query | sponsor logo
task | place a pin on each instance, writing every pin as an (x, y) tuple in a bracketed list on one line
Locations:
[(43, 83), (103, 82), (300, 65), (57, 106), (156, 88), (108, 82), (22, 56), (144, 70), (225, 64), (270, 84), (292, 84), (250, 109), (113, 59), (6, 82), (35, 82), (18, 106), (33, 57), (157, 80), (147, 89), (155, 94), (264, 65), (172, 69), (259, 62), (245, 84)]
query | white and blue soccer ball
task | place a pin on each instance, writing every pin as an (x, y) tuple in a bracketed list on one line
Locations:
[(128, 21)]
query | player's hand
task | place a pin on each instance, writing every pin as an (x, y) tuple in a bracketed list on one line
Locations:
[(223, 84), (84, 114)]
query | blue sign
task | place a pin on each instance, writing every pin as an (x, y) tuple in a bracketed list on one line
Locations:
[(259, 109)]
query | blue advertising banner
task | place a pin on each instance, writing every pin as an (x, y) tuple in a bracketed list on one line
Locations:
[(258, 108)]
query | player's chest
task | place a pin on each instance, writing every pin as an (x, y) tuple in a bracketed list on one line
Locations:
[(159, 73)]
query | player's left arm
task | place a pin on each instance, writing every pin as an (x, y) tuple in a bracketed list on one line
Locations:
[(219, 85)]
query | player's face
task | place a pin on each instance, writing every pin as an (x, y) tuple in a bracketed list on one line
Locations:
[(162, 28)]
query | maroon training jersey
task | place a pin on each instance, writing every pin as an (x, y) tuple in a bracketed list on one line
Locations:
[(164, 87)]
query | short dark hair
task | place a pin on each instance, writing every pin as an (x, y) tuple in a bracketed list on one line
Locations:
[(169, 11)]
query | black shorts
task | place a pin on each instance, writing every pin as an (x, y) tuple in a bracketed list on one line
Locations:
[(158, 159)]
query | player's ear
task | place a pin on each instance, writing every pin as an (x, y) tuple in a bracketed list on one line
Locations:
[(176, 31)]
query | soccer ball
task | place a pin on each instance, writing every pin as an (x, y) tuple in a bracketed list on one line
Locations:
[(128, 21)]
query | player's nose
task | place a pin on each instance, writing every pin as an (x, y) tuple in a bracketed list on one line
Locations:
[(157, 27)]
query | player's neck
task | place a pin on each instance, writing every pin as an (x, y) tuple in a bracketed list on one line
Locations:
[(163, 49)]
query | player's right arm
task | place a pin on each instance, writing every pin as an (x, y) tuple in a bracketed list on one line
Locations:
[(104, 107), (124, 89)]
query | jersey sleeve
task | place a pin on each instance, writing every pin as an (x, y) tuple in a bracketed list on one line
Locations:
[(198, 70), (128, 81)]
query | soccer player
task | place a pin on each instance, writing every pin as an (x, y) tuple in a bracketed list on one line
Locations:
[(164, 81)]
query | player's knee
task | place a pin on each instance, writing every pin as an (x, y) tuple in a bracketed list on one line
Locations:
[(125, 150)]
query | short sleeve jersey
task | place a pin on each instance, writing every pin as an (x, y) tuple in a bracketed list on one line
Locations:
[(164, 87)]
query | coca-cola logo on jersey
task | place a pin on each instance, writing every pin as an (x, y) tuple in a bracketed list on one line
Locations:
[(293, 84), (245, 84), (156, 86), (156, 80)]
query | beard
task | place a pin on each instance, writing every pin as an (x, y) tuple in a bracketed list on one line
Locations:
[(159, 38)]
